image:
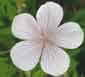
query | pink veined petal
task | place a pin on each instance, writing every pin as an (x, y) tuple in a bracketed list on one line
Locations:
[(69, 35), (25, 55), (54, 61), (49, 16), (24, 26)]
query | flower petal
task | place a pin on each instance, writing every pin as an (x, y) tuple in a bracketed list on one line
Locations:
[(25, 55), (24, 26), (49, 16), (69, 35), (55, 61)]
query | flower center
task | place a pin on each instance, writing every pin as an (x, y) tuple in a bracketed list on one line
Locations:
[(47, 39), (44, 39)]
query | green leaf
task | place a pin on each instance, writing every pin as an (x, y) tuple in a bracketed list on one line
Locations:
[(71, 2), (7, 9), (6, 39), (2, 23), (79, 17), (31, 5), (11, 11), (73, 52), (38, 73), (6, 69), (73, 68)]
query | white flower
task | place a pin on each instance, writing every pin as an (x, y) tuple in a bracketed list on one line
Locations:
[(44, 40)]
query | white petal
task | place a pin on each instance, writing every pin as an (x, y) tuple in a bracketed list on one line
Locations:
[(55, 61), (69, 35), (25, 55), (24, 26), (49, 16)]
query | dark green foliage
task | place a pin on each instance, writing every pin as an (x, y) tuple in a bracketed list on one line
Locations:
[(6, 69)]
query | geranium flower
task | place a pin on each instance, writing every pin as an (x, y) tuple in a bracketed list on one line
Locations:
[(44, 40)]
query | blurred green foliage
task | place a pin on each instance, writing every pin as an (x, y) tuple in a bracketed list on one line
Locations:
[(6, 69), (7, 13), (74, 11)]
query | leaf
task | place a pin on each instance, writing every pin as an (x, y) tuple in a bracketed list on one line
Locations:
[(1, 23), (79, 17), (81, 62), (38, 73), (11, 11), (73, 52), (73, 68), (6, 69), (31, 6), (6, 39), (71, 2), (7, 9)]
